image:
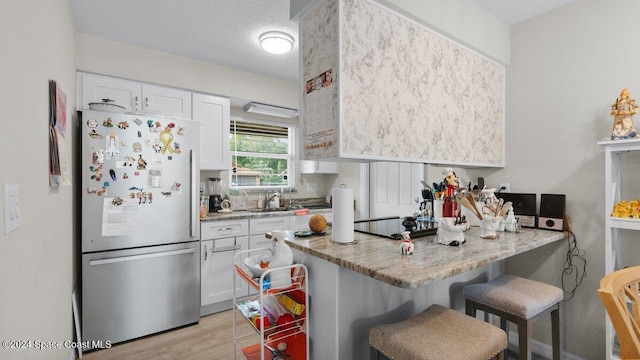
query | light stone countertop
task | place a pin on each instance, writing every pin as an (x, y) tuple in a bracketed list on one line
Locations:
[(380, 258)]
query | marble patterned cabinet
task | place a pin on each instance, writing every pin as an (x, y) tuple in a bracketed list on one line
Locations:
[(381, 86)]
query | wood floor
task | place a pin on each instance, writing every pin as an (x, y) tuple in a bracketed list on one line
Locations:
[(210, 339)]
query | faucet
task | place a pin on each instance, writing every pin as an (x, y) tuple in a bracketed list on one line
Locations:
[(269, 198)]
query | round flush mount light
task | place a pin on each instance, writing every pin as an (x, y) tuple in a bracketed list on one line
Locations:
[(276, 42)]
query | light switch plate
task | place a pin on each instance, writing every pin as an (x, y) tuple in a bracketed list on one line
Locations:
[(11, 207)]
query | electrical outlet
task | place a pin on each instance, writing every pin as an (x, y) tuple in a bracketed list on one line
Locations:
[(504, 187)]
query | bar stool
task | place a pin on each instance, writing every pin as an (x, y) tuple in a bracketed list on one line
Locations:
[(438, 333), (518, 300)]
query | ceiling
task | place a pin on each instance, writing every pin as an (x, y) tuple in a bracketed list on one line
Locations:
[(226, 32)]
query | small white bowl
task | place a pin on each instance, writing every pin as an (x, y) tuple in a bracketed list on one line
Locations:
[(253, 263)]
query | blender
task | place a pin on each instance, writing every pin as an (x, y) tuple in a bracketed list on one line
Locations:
[(215, 200)]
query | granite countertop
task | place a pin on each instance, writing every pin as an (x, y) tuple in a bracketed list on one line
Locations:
[(244, 214), (380, 258)]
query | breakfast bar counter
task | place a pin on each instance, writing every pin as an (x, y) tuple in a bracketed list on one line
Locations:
[(380, 258), (356, 286)]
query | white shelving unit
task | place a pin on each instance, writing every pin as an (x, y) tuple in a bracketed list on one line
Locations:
[(613, 151), (263, 342)]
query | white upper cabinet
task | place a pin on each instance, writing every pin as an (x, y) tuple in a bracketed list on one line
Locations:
[(136, 97), (213, 114), (125, 93), (161, 100)]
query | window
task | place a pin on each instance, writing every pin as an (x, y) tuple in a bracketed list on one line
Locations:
[(261, 154)]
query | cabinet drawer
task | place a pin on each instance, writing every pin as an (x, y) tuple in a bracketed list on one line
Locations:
[(223, 229), (264, 225)]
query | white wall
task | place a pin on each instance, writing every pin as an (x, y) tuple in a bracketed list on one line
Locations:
[(567, 68), (36, 261)]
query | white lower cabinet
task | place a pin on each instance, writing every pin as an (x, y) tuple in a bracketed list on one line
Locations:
[(221, 240)]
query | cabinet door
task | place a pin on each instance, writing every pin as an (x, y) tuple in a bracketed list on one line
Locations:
[(217, 270), (213, 115), (318, 167), (160, 100), (123, 92)]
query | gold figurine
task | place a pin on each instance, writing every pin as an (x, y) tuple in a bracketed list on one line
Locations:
[(622, 111)]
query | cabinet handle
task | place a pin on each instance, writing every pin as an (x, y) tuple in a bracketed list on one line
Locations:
[(225, 230), (205, 252), (137, 103), (146, 103), (226, 248)]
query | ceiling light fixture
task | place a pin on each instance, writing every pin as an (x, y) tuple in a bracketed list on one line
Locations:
[(264, 109), (276, 42)]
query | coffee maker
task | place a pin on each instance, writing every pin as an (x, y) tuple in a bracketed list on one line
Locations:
[(215, 200)]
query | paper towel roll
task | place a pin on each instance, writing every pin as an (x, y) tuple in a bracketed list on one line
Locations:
[(342, 227)]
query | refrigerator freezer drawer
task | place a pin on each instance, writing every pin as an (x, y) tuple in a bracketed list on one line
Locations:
[(132, 293)]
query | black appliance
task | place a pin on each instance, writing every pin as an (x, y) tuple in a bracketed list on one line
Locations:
[(524, 207), (391, 227)]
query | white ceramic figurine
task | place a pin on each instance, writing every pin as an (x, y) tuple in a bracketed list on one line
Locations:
[(407, 245)]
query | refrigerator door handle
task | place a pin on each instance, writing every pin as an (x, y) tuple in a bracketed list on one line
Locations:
[(194, 197), (140, 257)]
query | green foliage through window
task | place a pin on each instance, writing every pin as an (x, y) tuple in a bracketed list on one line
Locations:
[(261, 154)]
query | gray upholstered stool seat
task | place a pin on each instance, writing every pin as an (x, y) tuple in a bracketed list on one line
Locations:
[(518, 300), (438, 333)]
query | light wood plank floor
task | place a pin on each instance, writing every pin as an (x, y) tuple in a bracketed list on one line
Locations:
[(210, 339)]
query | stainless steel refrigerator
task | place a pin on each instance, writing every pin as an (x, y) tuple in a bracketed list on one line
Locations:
[(140, 227)]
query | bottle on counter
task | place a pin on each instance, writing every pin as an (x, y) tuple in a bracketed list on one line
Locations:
[(204, 204), (260, 203)]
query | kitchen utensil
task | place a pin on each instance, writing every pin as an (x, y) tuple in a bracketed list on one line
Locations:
[(499, 206), (107, 105), (425, 185), (465, 202), (505, 208), (472, 202)]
